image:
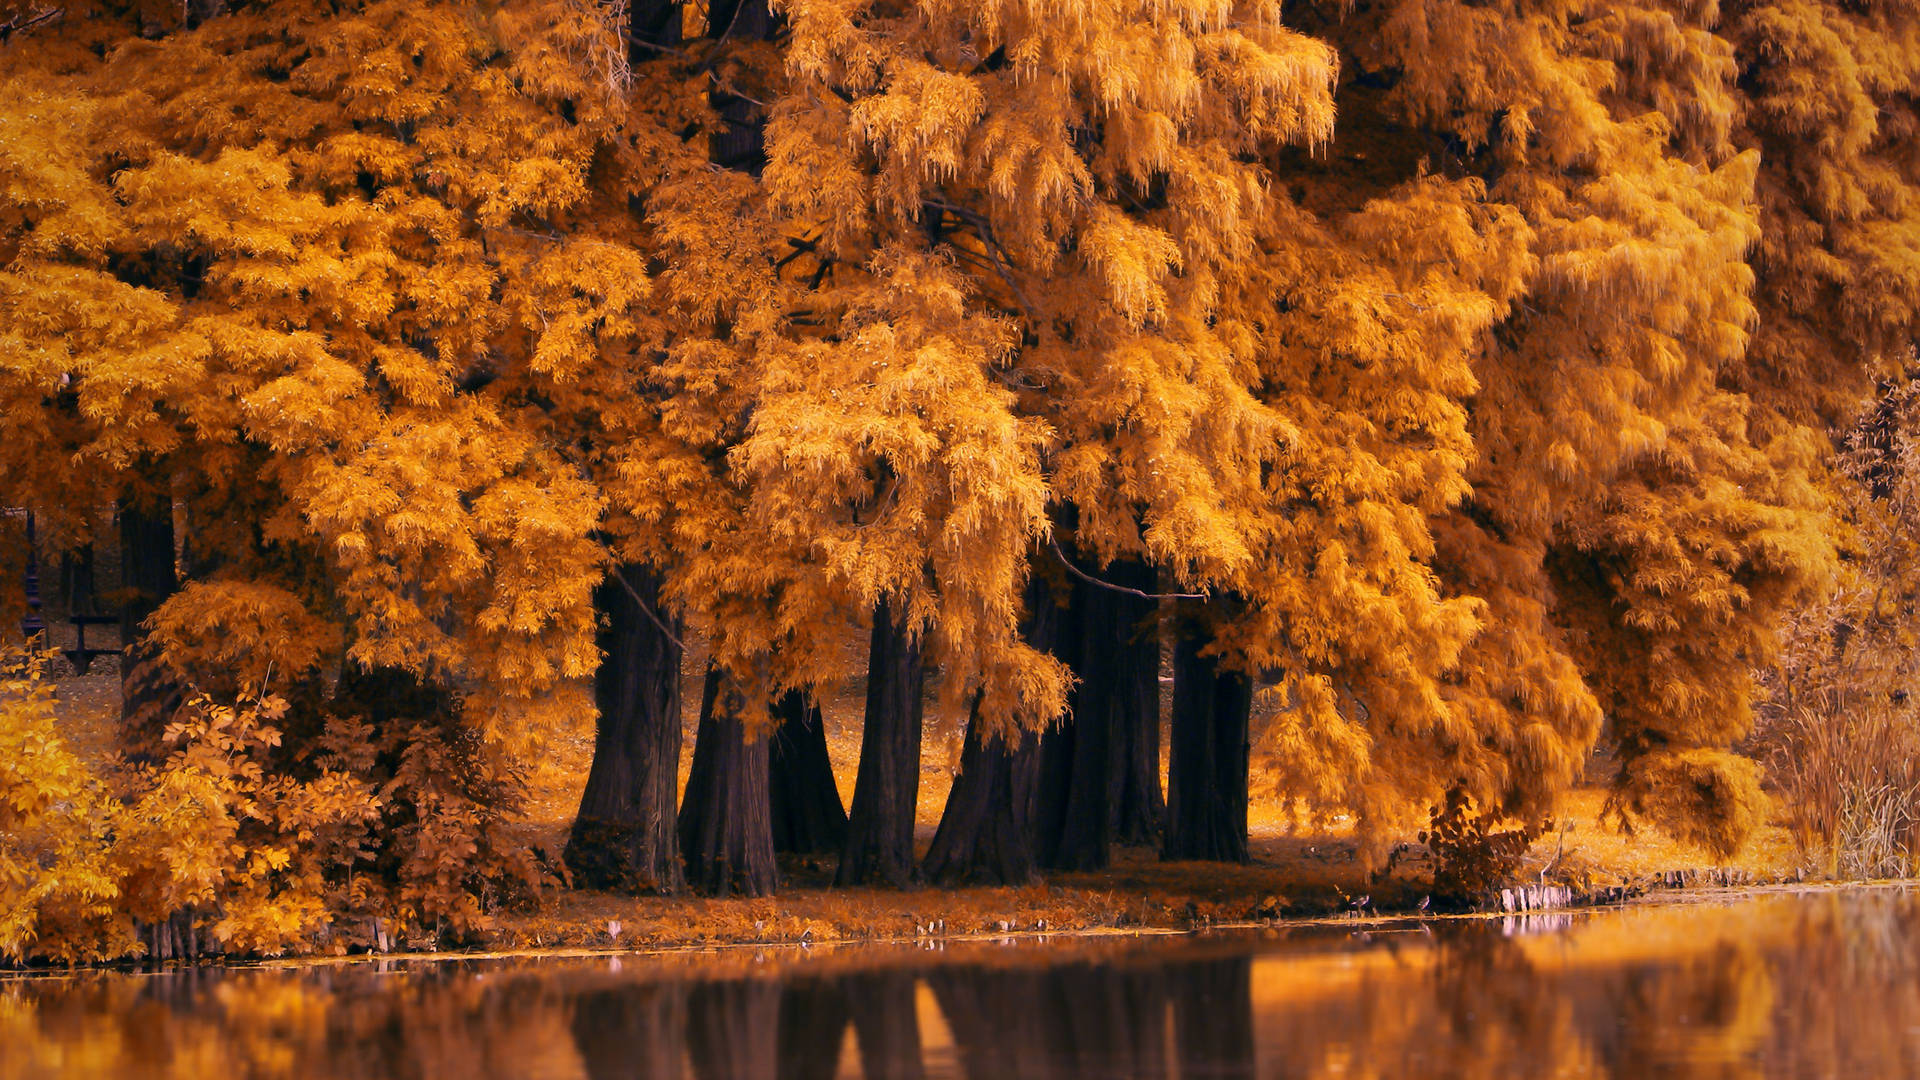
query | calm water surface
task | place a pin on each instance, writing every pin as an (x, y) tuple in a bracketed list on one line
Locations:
[(1780, 985)]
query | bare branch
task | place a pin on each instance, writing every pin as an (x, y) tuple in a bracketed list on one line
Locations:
[(646, 609), (1094, 581), (24, 22)]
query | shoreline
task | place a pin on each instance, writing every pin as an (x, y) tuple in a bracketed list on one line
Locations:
[(1046, 934)]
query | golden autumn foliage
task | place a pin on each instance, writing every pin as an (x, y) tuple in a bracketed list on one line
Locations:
[(1467, 372)]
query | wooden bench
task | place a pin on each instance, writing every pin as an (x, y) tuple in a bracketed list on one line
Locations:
[(80, 656)]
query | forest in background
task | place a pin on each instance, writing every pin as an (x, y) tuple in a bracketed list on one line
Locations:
[(1480, 386)]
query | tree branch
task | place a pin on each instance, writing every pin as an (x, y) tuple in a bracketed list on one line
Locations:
[(1094, 581), (23, 22), (646, 609), (995, 252)]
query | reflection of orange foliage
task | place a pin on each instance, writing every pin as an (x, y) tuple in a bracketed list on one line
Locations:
[(1803, 984)]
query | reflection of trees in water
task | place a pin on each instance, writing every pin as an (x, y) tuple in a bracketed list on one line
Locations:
[(885, 1023), (632, 1032), (1804, 987), (1849, 1003), (813, 1024), (733, 1029), (1213, 1016), (1704, 1016), (1191, 1018), (1481, 1006)]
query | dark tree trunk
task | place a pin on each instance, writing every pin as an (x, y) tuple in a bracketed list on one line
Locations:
[(77, 581), (1207, 776), (986, 831), (1073, 820), (1095, 766), (624, 835), (150, 693), (1074, 748), (1133, 793), (733, 1028), (652, 22), (879, 846), (807, 816), (886, 1024), (636, 1032), (740, 143), (726, 830)]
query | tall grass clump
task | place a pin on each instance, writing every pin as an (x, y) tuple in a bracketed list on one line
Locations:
[(1839, 730)]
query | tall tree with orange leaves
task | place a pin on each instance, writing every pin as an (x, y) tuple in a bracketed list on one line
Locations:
[(342, 332), (1064, 190), (1616, 539)]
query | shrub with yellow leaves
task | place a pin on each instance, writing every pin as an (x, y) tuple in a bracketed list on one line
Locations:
[(60, 895)]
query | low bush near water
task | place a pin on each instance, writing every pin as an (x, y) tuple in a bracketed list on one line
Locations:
[(234, 843)]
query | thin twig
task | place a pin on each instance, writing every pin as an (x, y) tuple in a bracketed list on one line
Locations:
[(1001, 264), (646, 609), (654, 45), (27, 22), (1091, 580)]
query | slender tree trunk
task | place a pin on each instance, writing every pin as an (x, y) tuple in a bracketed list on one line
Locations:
[(1074, 819), (807, 816), (149, 691), (1073, 747), (1207, 778), (879, 846), (624, 835), (1133, 794), (77, 582), (726, 829), (1100, 767)]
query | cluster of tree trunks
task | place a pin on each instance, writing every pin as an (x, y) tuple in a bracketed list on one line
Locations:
[(1020, 803)]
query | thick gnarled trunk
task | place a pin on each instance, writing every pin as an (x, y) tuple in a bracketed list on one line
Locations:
[(726, 829), (986, 832), (624, 835), (879, 849), (1207, 776), (987, 829)]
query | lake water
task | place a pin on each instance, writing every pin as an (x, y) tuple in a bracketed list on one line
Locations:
[(1806, 984)]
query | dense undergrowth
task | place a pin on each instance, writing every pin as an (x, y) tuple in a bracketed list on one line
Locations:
[(1840, 730), (235, 839)]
